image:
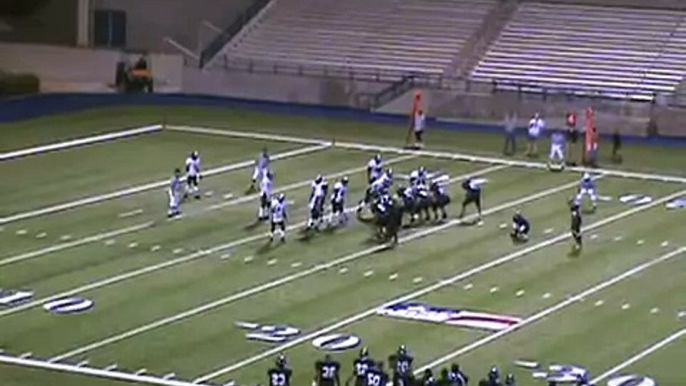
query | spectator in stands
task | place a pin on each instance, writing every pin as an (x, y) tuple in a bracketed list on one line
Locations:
[(510, 124), (536, 126)]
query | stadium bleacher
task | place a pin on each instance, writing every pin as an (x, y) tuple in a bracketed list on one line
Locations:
[(615, 50), (414, 36)]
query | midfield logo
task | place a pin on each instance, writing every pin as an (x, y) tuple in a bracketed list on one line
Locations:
[(635, 199), (450, 316), (679, 203), (9, 298)]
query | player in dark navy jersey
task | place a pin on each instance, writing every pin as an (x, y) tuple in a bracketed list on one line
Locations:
[(575, 225), (280, 374), (472, 188), (327, 372), (520, 228), (456, 377), (402, 367), (376, 376), (361, 365)]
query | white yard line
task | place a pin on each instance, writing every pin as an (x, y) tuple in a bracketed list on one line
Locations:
[(640, 355), (553, 309), (78, 142), (276, 283), (234, 202), (440, 154), (73, 244), (149, 186), (433, 287), (182, 259)]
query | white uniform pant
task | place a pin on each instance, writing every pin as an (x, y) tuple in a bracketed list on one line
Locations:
[(173, 200), (557, 152), (587, 192)]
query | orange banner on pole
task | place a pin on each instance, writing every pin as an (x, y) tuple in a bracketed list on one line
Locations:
[(591, 131)]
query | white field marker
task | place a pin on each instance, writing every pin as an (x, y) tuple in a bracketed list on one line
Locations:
[(599, 303), (248, 259), (209, 193), (25, 355), (594, 236), (681, 314), (272, 261), (111, 367), (169, 376), (228, 196), (343, 270), (82, 363), (225, 256), (520, 293), (626, 306), (654, 310), (547, 295), (393, 276), (418, 280), (65, 237), (110, 242), (494, 290), (548, 231), (368, 273), (640, 242), (21, 232), (502, 225), (664, 244), (468, 286), (133, 245), (618, 238), (141, 371), (131, 213), (177, 251), (155, 248), (41, 235), (296, 264)]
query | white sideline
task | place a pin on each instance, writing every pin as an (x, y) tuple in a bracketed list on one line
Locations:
[(640, 355), (272, 284), (180, 260), (149, 186), (440, 154), (553, 309), (144, 225), (100, 373), (78, 142), (431, 288)]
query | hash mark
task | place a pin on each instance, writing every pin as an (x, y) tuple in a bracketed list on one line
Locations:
[(417, 280), (248, 259), (368, 273), (520, 293), (393, 276), (494, 290), (21, 232), (468, 286), (296, 264), (343, 270), (272, 261), (155, 248), (41, 235)]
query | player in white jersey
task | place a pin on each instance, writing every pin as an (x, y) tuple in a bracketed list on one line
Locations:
[(316, 202), (536, 126), (193, 175), (261, 168), (557, 151), (338, 197), (374, 168), (279, 216), (266, 185), (174, 194), (587, 187), (419, 126), (418, 176)]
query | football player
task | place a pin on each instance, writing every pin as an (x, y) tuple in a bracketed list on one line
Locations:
[(261, 168), (472, 188), (510, 380), (376, 376), (576, 225), (361, 366), (327, 372), (317, 196), (428, 378), (456, 377), (441, 199), (174, 194), (402, 369), (520, 228), (587, 188), (280, 374), (418, 176), (493, 378), (374, 168), (193, 175), (279, 216), (338, 197), (266, 185)]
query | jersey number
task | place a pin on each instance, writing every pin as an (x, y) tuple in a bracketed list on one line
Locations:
[(373, 380), (328, 372), (278, 379), (361, 368)]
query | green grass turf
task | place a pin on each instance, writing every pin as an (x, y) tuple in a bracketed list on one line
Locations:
[(206, 342)]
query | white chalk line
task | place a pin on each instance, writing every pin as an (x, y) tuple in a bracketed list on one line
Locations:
[(640, 355), (553, 309), (148, 224), (262, 287), (439, 154), (148, 186), (78, 142), (431, 288), (177, 261)]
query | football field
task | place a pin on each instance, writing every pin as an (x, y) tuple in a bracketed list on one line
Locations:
[(99, 288)]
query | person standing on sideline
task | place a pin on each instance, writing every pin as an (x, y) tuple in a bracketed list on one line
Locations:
[(536, 126), (419, 126), (510, 124)]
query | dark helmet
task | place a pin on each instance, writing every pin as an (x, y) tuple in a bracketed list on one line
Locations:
[(281, 361), (364, 352), (510, 380)]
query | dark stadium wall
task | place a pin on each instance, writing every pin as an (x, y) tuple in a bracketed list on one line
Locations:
[(148, 22), (50, 22)]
